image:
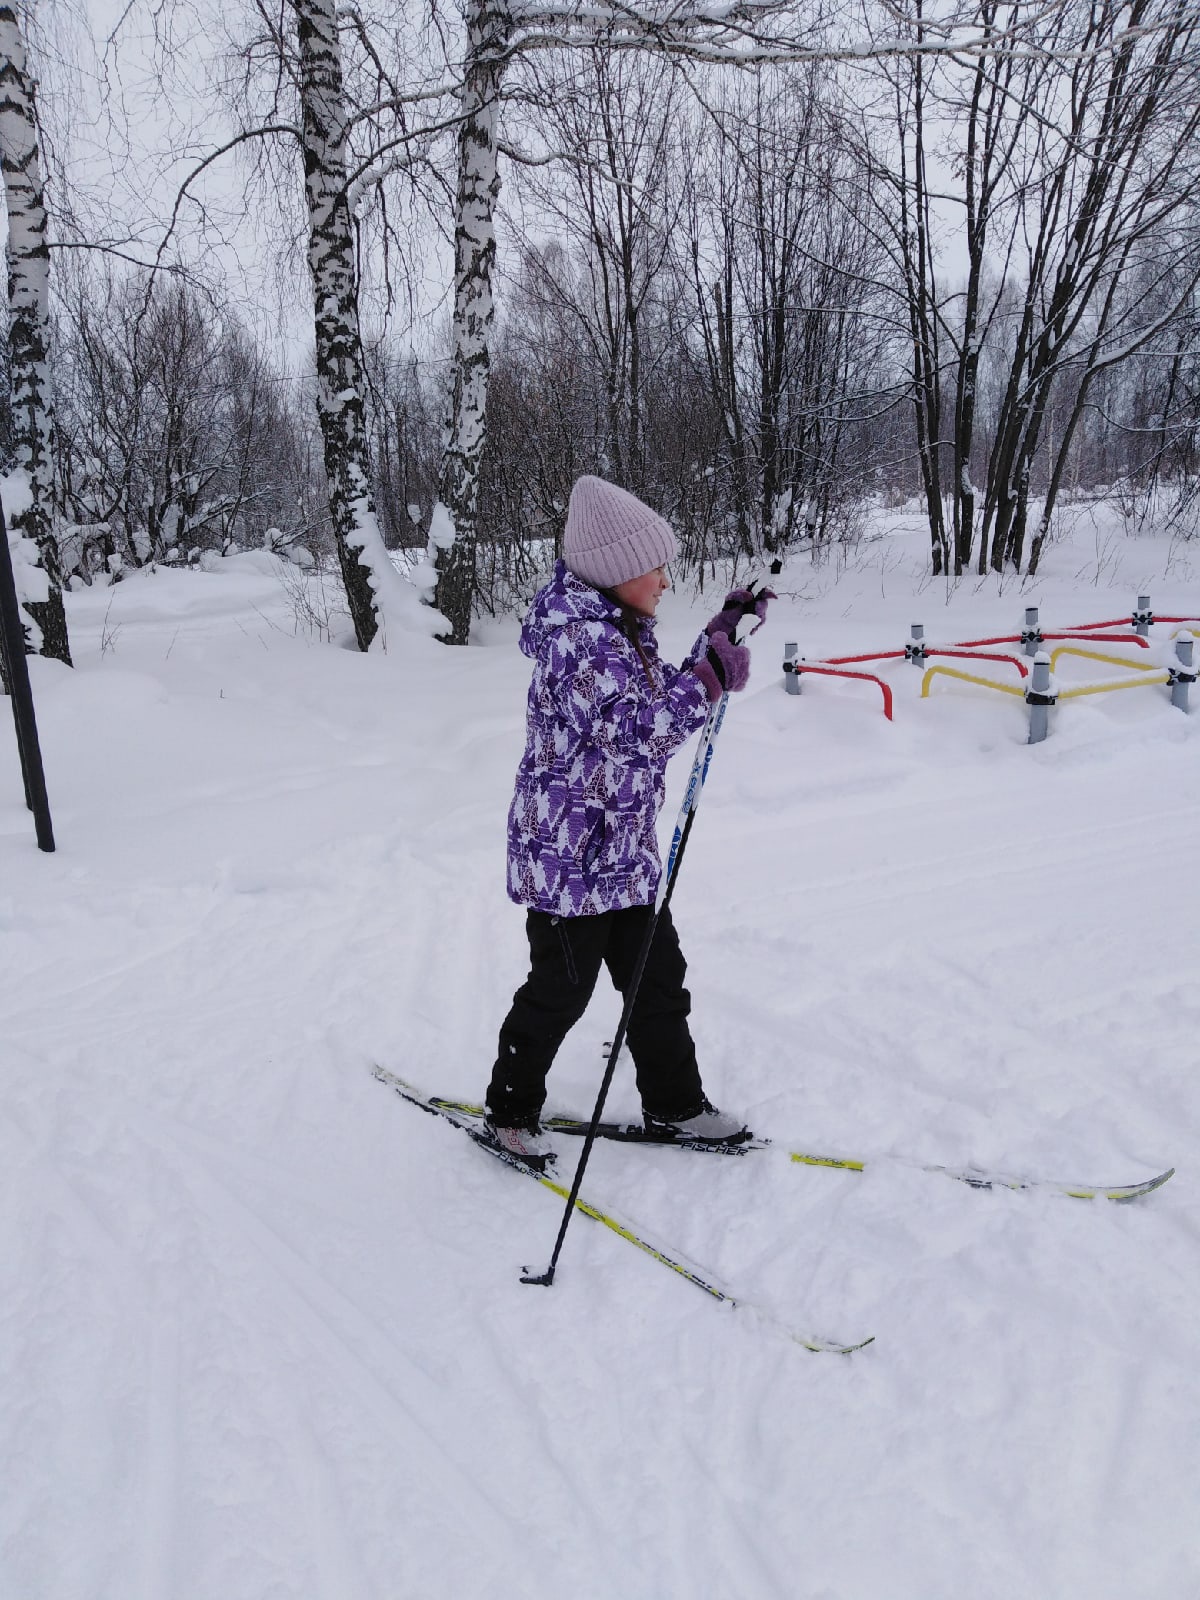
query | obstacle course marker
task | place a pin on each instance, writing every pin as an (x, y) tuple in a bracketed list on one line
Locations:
[(1039, 692)]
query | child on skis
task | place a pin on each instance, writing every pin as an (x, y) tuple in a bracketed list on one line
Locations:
[(604, 714)]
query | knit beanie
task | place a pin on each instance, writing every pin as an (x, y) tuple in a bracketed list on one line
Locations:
[(611, 536)]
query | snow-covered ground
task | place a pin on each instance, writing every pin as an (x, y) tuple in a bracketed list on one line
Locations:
[(262, 1329)]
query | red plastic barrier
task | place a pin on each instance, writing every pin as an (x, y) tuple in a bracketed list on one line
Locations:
[(983, 655), (873, 655), (836, 672), (1112, 622), (1005, 638), (1117, 622), (1102, 638), (1078, 633)]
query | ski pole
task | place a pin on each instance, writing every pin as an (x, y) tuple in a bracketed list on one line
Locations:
[(683, 828)]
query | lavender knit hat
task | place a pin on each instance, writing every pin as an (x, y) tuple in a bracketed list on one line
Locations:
[(611, 536)]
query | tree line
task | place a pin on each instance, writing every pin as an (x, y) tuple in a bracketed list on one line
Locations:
[(760, 271)]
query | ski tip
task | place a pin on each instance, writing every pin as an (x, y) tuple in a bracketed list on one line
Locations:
[(831, 1347), (1136, 1190)]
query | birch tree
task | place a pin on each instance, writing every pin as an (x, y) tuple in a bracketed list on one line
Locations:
[(292, 97), (29, 335), (489, 31), (367, 572), (497, 32)]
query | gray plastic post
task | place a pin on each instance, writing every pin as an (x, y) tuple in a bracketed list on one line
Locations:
[(791, 680), (1031, 635), (1181, 685), (1141, 620), (916, 636), (1039, 715)]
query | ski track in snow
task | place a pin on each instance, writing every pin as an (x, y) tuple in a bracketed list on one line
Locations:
[(261, 1329)]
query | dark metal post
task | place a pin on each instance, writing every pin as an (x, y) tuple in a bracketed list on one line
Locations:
[(16, 670)]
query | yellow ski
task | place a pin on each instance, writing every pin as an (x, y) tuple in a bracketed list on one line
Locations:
[(470, 1120)]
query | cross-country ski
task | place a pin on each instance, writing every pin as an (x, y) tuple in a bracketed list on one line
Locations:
[(638, 1134), (472, 1124)]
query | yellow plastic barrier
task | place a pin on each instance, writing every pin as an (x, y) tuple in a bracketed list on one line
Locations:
[(1192, 627), (1094, 655), (968, 677), (1162, 676)]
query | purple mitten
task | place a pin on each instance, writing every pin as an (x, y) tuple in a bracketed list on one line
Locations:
[(739, 603), (725, 667)]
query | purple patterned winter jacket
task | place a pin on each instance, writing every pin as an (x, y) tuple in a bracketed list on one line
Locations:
[(581, 828)]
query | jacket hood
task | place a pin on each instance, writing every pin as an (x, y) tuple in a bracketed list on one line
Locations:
[(565, 599)]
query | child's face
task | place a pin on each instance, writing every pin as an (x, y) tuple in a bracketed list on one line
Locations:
[(644, 593)]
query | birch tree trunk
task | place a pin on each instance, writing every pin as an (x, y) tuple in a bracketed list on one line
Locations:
[(29, 330), (455, 523), (339, 358)]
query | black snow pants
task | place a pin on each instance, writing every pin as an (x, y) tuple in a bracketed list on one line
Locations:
[(565, 958)]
